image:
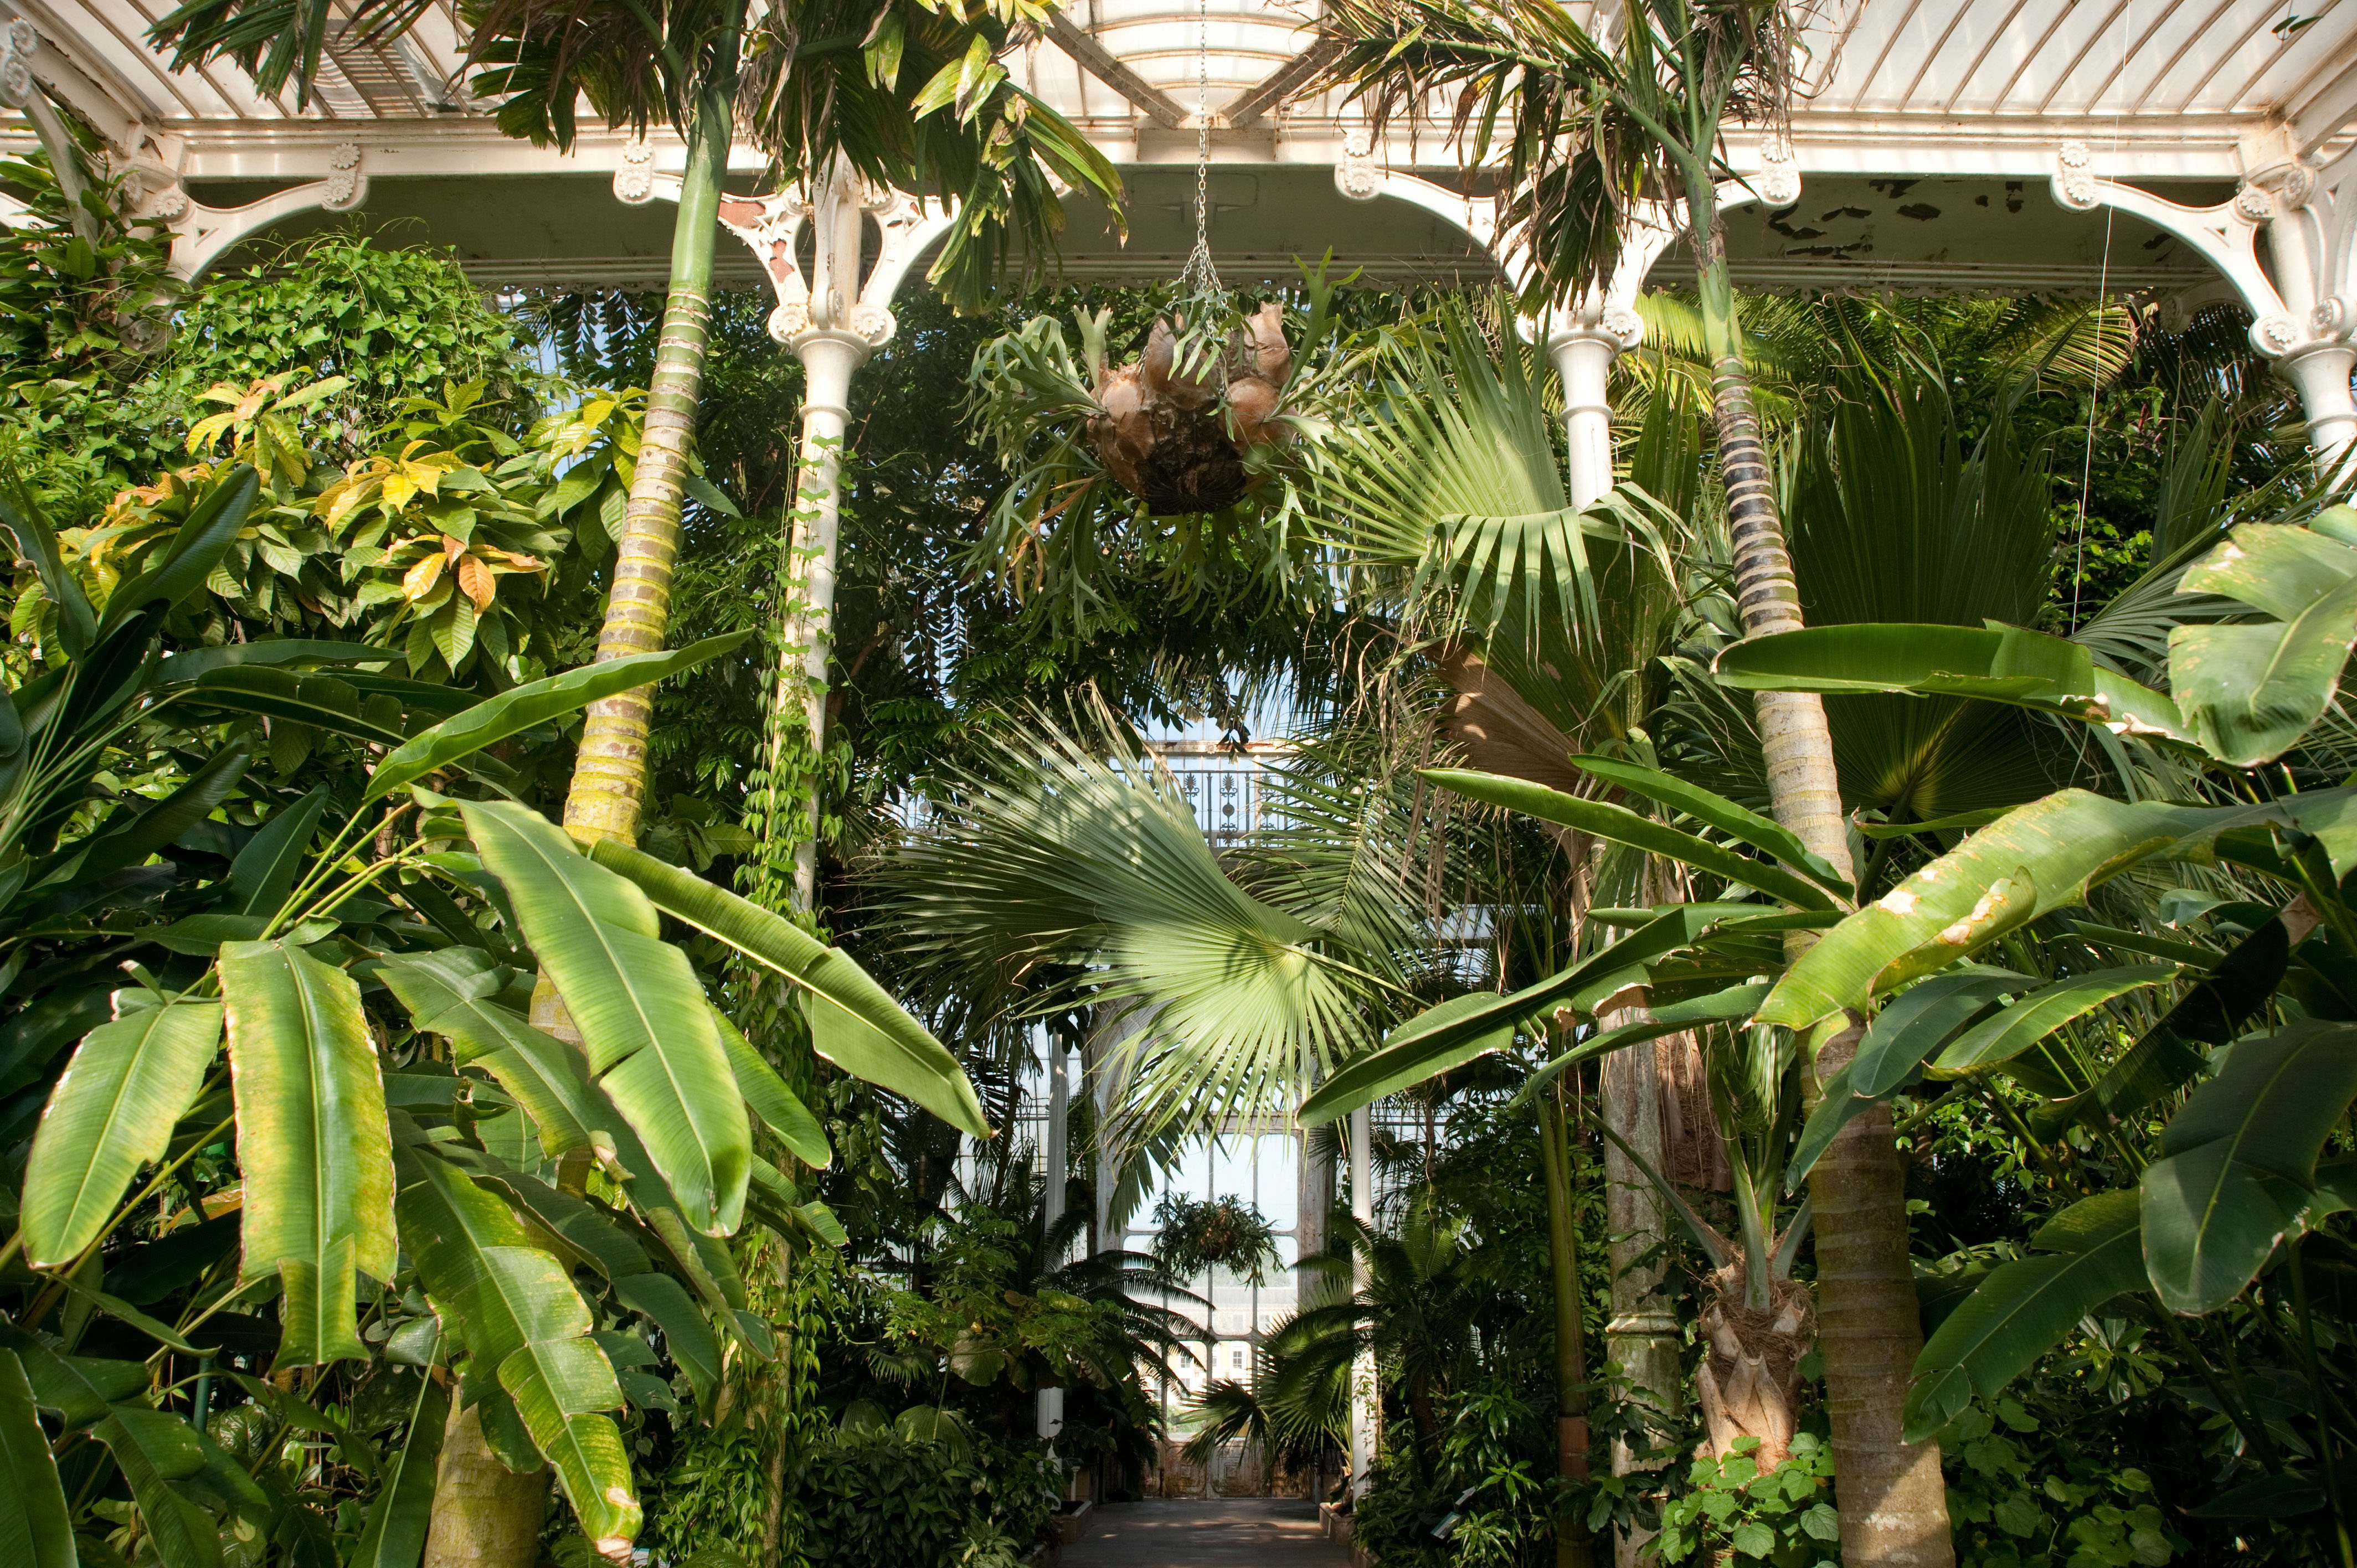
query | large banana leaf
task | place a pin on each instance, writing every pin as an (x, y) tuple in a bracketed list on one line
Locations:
[(451, 992), (2022, 1310), (2008, 1033), (524, 1324), (312, 1141), (2239, 1161), (534, 703), (2250, 691), (1737, 821), (112, 1112), (36, 1531), (264, 871), (894, 1051), (1617, 824), (2041, 857), (153, 1449), (1918, 1022), (644, 1023), (1463, 1027), (1994, 663), (766, 1096)]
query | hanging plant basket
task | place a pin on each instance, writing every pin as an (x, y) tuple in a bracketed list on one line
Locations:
[(1176, 434), (1221, 1232)]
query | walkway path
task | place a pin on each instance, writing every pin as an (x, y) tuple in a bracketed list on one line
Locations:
[(1218, 1533)]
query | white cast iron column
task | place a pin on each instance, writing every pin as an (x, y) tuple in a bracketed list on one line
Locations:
[(1364, 1411), (832, 320), (1053, 1169), (1583, 342)]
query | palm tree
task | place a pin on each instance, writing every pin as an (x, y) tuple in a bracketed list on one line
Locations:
[(1591, 134), (893, 88)]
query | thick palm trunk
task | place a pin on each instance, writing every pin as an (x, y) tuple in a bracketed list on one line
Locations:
[(1893, 1504), (1573, 1548), (610, 773), (485, 1514)]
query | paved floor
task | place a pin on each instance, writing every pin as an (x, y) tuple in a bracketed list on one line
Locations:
[(1219, 1532)]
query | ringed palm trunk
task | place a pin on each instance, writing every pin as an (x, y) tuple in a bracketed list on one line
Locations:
[(1574, 1547), (609, 772), (485, 1516), (1893, 1504)]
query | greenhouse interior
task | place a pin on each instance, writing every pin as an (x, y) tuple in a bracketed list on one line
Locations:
[(1501, 783)]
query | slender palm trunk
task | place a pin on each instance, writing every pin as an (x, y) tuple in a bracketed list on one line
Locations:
[(610, 773), (1893, 1504), (1574, 1547), (485, 1514)]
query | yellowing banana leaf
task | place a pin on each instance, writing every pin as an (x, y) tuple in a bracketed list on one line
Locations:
[(2251, 689), (644, 1023), (2040, 857), (312, 1140), (1995, 663), (112, 1112), (522, 1322), (533, 703), (766, 1094), (892, 1050)]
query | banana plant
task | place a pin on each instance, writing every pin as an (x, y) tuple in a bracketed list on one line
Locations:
[(421, 1180), (2244, 688)]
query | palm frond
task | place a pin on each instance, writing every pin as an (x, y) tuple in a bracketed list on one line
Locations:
[(1080, 862)]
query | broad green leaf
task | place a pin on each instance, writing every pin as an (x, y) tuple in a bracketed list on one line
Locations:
[(2038, 858), (451, 992), (1917, 1022), (112, 1112), (324, 702), (644, 1023), (2008, 1032), (265, 870), (1617, 824), (129, 840), (2239, 1161), (534, 703), (77, 1389), (36, 1531), (2024, 1309), (686, 1335), (211, 527), (1736, 821), (1465, 1027), (766, 1096), (2251, 689), (522, 1322), (394, 1536), (1995, 663), (893, 1050), (576, 1228), (33, 540), (1726, 1006), (312, 1141), (155, 1449)]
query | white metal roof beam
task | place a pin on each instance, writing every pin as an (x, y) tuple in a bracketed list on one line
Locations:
[(2328, 111), (1099, 61), (1247, 107)]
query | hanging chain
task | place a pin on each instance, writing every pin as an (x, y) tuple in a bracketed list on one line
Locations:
[(1199, 276)]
